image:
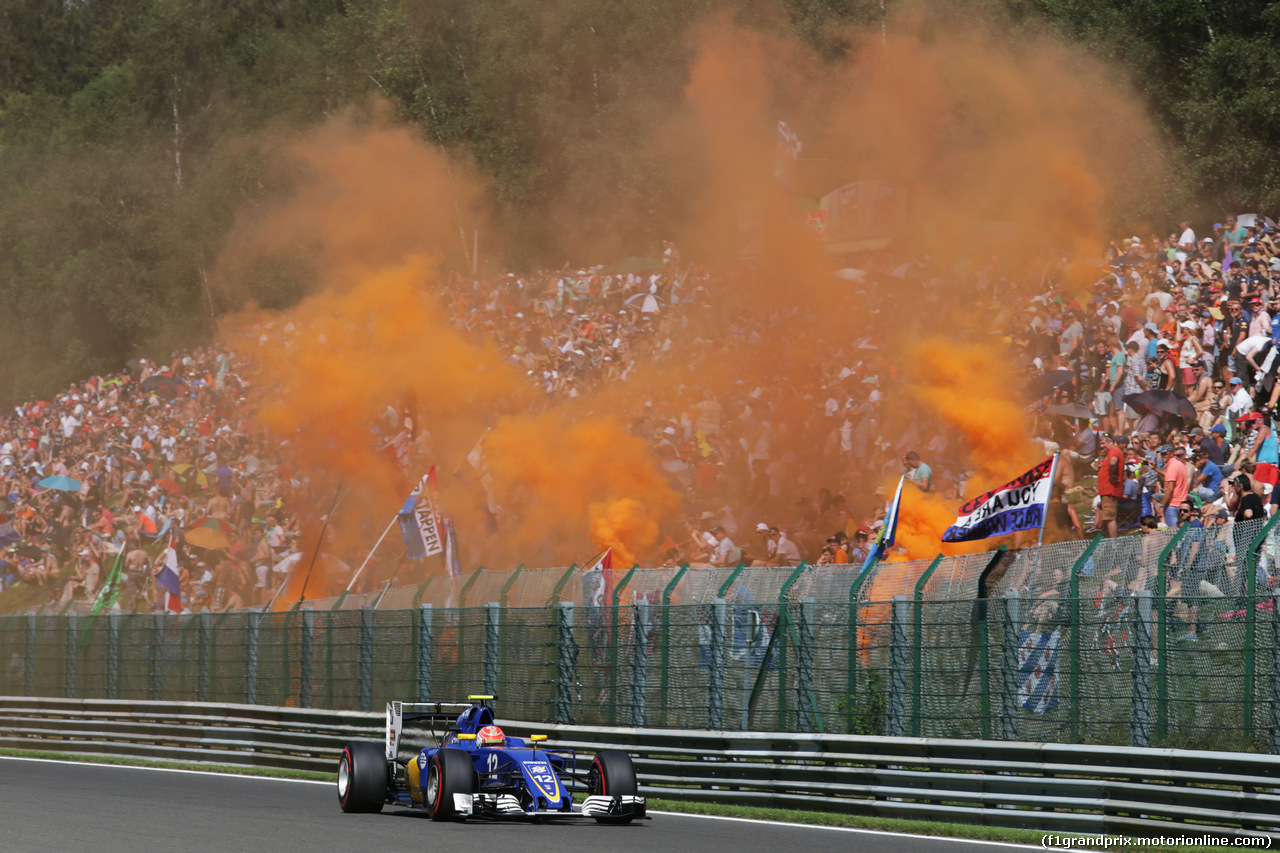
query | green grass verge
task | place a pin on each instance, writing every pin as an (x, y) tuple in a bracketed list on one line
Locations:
[(968, 832), (237, 770)]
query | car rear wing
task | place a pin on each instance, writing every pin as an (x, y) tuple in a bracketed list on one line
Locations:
[(400, 713)]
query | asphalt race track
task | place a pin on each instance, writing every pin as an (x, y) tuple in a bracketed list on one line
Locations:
[(64, 806)]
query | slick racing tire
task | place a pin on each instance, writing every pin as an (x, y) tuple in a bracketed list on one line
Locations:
[(612, 775), (449, 772), (362, 778)]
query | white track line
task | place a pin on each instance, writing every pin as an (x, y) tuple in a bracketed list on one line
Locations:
[(853, 829), (663, 813)]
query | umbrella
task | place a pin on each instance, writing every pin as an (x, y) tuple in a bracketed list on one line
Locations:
[(62, 484), (188, 473), (164, 385), (169, 486), (1043, 384), (1071, 410), (648, 303), (207, 537), (1162, 402), (635, 264), (1248, 219), (210, 523)]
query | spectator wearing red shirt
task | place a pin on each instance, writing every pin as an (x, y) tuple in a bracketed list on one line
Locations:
[(1111, 483)]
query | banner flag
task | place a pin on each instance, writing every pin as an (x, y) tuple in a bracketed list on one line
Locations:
[(420, 522), (1019, 504), (167, 579), (1038, 670), (888, 531)]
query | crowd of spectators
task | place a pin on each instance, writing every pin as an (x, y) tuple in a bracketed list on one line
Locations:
[(127, 467), (1158, 379)]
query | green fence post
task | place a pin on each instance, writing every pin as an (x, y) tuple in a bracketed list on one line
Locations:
[(984, 644), (806, 707), (69, 674), (251, 659), (851, 701), (664, 679), (564, 579), (715, 676), (157, 647), (728, 582), (328, 659), (29, 658), (417, 596), (1074, 649), (307, 656), (366, 659), (784, 623), (1251, 622), (506, 587), (639, 662), (896, 723), (492, 617), (917, 636), (466, 587), (204, 623), (613, 646), (113, 656), (1162, 629), (425, 652), (566, 662)]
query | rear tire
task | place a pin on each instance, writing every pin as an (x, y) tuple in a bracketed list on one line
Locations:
[(362, 778), (449, 772), (612, 775)]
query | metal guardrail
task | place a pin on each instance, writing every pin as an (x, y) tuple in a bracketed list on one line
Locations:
[(1071, 787)]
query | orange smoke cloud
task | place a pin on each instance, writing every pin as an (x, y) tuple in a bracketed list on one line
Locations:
[(1009, 154), (374, 334), (551, 468)]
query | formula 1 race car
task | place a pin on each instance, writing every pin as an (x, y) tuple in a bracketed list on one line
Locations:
[(475, 770)]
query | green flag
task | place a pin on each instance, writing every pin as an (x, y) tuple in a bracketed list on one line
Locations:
[(110, 592)]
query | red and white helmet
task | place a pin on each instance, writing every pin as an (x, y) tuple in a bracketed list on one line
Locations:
[(491, 736)]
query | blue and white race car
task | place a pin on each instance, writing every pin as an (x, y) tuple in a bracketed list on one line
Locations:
[(475, 770)]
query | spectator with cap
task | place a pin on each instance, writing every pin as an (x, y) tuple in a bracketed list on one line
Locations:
[(1207, 476)]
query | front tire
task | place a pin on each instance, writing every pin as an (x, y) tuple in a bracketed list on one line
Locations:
[(362, 778), (449, 772), (612, 775)]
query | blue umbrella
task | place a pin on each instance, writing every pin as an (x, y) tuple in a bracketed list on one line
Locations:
[(62, 484)]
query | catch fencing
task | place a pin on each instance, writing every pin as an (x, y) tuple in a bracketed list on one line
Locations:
[(1083, 642)]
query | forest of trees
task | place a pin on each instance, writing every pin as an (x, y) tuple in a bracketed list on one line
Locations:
[(128, 127)]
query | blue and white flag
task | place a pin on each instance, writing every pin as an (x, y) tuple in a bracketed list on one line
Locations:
[(420, 519), (1038, 670), (1017, 505), (888, 531)]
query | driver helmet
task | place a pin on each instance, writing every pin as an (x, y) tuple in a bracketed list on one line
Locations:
[(491, 736)]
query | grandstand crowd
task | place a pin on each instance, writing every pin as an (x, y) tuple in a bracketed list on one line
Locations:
[(1158, 379)]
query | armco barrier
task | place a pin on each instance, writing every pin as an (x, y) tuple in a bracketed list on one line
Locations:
[(1063, 787)]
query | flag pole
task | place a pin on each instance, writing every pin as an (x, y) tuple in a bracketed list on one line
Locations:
[(356, 576), (1053, 479)]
